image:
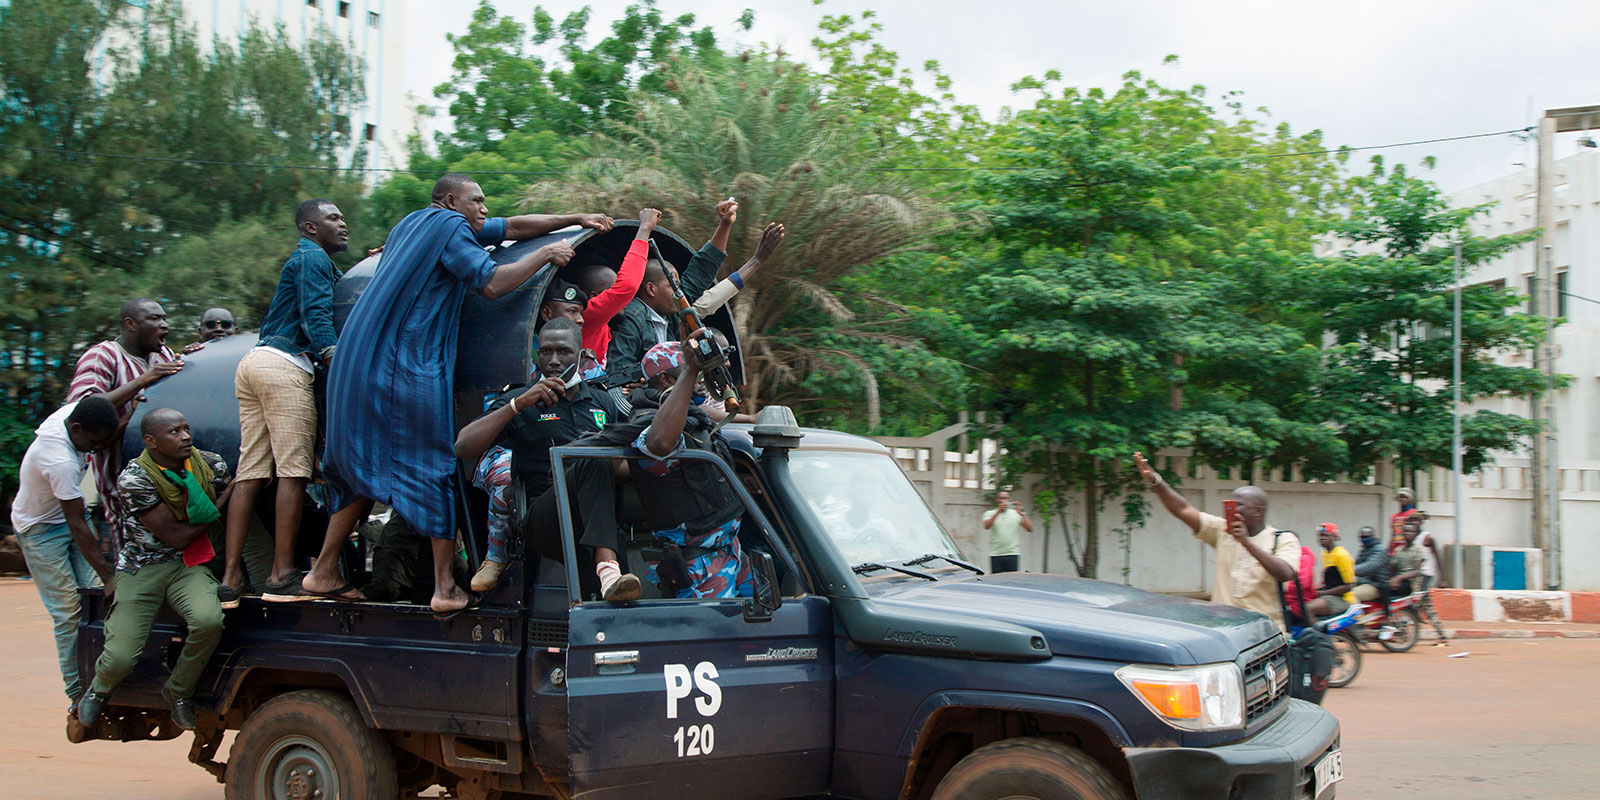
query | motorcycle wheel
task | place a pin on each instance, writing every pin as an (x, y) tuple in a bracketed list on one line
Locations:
[(1346, 660), (1408, 628)]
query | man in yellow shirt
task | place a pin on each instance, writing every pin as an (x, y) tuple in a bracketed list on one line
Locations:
[(1252, 557), (1338, 575)]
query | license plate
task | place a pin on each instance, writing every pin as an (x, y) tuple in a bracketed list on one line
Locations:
[(1329, 770)]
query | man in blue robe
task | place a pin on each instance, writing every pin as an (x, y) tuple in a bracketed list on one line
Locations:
[(391, 387)]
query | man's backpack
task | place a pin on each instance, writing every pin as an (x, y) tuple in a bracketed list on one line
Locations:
[(1311, 650)]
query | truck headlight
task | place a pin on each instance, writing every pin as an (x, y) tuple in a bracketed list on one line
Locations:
[(1209, 697)]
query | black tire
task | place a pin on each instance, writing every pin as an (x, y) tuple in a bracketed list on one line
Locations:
[(314, 740), (1407, 629), (1346, 660), (1039, 769)]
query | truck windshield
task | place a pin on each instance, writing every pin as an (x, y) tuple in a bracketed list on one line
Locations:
[(868, 507)]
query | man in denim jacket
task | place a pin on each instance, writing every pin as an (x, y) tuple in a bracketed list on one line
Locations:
[(277, 407)]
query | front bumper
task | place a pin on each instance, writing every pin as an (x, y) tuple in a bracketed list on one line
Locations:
[(1275, 764)]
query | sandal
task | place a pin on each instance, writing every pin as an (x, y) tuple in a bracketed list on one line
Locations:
[(336, 594)]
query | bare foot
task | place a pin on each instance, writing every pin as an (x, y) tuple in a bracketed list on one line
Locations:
[(451, 599), (318, 581)]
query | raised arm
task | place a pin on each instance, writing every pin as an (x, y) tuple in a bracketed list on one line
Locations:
[(727, 213), (1176, 505), (608, 303), (529, 226), (718, 296), (666, 428)]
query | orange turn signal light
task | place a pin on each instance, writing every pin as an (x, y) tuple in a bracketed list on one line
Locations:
[(1173, 700)]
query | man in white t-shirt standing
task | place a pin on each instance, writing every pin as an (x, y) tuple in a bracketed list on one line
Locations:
[(277, 404), (52, 523), (1002, 522)]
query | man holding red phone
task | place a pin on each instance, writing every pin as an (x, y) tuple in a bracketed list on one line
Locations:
[(1252, 556)]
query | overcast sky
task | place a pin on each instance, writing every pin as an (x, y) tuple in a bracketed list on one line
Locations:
[(1362, 72)]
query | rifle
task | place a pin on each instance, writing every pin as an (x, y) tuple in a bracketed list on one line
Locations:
[(713, 358)]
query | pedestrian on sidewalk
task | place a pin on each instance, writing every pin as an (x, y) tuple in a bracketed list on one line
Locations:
[(1252, 557), (1002, 523), (52, 524)]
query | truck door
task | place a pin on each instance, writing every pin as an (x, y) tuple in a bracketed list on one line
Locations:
[(701, 698)]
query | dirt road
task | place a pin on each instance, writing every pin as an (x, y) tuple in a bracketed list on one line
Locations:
[(1514, 719)]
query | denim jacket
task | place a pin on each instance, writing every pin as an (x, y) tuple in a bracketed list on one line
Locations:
[(300, 319)]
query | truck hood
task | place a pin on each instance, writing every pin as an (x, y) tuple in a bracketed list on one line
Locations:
[(1085, 618)]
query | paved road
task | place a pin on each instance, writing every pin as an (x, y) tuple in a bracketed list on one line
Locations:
[(1514, 719)]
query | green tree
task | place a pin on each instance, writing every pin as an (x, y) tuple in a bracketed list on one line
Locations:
[(1103, 281), (78, 231), (759, 128), (1387, 305)]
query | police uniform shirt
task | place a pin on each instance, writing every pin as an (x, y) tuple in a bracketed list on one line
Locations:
[(534, 430)]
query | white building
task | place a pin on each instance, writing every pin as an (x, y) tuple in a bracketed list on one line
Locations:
[(374, 30), (1497, 508)]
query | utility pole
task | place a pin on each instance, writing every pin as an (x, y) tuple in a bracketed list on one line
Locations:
[(1455, 430), (1544, 295)]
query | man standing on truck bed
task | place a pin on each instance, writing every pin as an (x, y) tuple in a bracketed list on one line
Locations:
[(396, 373), (1253, 558), (52, 525), (121, 369), (277, 405), (172, 493)]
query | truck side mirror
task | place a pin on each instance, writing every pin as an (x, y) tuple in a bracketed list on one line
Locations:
[(767, 595)]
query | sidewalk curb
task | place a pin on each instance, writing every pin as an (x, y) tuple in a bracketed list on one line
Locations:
[(1451, 633)]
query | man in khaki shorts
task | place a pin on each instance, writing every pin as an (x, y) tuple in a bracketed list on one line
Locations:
[(277, 407)]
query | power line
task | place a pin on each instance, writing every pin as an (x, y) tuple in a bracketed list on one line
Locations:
[(558, 173)]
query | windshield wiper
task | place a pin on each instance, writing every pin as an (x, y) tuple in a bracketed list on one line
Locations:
[(873, 566), (920, 560)]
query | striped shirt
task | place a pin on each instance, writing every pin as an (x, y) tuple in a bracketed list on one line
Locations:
[(103, 368)]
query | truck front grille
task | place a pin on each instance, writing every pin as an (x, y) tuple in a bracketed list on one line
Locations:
[(1266, 679)]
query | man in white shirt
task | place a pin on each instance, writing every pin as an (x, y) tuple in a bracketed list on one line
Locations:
[(52, 524), (1005, 543)]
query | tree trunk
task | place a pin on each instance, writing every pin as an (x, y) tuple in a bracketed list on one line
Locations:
[(1091, 488)]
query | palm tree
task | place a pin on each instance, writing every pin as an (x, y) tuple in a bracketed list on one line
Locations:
[(759, 128)]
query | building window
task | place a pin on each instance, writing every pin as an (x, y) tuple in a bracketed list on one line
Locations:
[(1561, 293), (344, 10), (372, 19), (372, 132)]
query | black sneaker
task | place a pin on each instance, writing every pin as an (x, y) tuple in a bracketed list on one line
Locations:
[(89, 707), (228, 596), (182, 712), (286, 591)]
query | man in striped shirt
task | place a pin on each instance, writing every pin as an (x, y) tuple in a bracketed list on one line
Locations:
[(121, 369)]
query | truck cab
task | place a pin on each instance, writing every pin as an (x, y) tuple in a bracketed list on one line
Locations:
[(872, 661)]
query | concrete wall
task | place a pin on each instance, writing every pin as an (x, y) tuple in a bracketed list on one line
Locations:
[(952, 473)]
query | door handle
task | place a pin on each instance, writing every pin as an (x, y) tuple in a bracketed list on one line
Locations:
[(616, 658)]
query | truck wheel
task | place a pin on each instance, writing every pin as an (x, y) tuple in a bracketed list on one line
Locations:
[(1028, 769), (309, 745), (1408, 628), (1346, 660)]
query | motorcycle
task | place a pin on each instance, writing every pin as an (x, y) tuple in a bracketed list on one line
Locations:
[(1396, 629), (1346, 648)]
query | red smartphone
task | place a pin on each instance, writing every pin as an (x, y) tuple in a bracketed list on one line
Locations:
[(1230, 513)]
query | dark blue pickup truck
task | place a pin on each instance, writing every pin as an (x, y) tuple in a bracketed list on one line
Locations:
[(873, 662)]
